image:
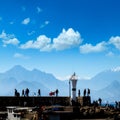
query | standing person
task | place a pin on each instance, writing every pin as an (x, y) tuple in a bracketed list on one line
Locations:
[(57, 92), (39, 93), (88, 92), (27, 92), (84, 92), (15, 93), (23, 94), (100, 101), (79, 93)]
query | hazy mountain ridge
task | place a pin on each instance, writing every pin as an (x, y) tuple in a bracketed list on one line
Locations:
[(104, 78), (35, 80), (105, 84), (109, 93)]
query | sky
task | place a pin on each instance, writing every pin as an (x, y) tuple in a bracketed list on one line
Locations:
[(60, 36)]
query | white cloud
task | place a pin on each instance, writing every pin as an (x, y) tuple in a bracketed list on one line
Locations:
[(88, 48), (19, 55), (47, 48), (26, 21), (3, 35), (31, 33), (13, 41), (39, 10), (67, 39), (115, 41), (117, 69), (41, 42), (47, 22), (63, 78), (44, 24), (8, 39), (110, 54)]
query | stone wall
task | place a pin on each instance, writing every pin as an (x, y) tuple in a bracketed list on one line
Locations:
[(32, 101), (85, 100)]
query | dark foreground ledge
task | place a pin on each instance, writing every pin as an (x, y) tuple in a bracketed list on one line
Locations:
[(32, 101)]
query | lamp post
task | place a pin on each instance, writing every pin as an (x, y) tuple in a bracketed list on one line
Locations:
[(74, 79)]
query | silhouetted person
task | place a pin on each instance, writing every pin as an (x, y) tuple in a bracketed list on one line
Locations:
[(56, 92), (119, 104), (88, 93), (116, 104), (79, 93), (84, 92), (15, 93), (27, 92), (100, 101), (23, 93), (39, 93)]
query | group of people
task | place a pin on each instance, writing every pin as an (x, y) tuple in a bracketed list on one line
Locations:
[(25, 92), (85, 92), (117, 104)]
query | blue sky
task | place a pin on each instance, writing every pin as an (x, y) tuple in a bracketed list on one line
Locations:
[(60, 36)]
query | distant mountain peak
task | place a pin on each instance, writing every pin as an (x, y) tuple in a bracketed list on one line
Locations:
[(115, 83), (35, 70), (18, 72), (17, 68)]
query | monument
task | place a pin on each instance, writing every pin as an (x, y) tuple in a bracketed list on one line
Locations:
[(73, 80)]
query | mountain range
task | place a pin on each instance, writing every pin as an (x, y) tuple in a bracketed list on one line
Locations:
[(20, 78), (105, 85)]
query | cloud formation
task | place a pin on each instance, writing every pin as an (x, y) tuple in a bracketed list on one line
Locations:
[(26, 21), (115, 41), (13, 41), (116, 69), (89, 48), (65, 40), (19, 55), (41, 42), (39, 10), (110, 54), (31, 33), (44, 24), (8, 39)]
